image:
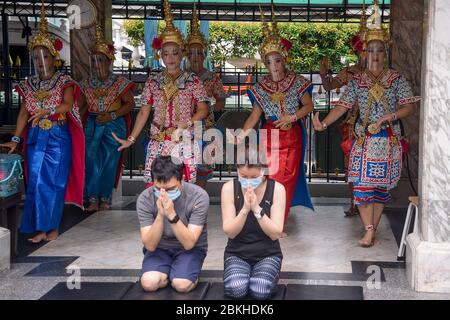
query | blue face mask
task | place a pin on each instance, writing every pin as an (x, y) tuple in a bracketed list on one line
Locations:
[(254, 182), (172, 194)]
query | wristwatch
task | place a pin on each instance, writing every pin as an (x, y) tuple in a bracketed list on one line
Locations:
[(259, 213), (174, 220)]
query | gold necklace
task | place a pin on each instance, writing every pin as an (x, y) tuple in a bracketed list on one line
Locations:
[(170, 87)]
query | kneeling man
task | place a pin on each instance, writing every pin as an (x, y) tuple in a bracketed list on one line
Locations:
[(173, 216)]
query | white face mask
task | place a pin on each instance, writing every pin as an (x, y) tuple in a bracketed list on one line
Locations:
[(172, 194)]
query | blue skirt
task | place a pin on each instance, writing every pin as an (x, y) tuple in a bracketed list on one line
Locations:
[(48, 156), (102, 157)]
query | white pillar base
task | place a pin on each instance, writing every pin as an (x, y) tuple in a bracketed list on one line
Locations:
[(427, 265), (5, 238)]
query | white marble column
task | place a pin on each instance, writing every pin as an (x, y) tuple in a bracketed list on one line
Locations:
[(428, 249), (406, 30)]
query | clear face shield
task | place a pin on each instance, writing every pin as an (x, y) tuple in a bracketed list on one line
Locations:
[(100, 66), (43, 62), (275, 64), (196, 56), (376, 55)]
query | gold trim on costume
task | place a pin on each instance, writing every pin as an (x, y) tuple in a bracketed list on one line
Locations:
[(45, 124), (43, 38), (170, 33), (272, 41), (195, 36), (41, 95), (278, 97), (101, 46), (375, 30)]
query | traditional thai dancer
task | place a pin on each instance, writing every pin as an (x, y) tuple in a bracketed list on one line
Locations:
[(342, 79), (197, 50), (50, 126), (109, 100), (383, 96), (174, 95), (281, 100)]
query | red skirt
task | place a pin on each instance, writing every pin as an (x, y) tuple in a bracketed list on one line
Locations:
[(284, 159)]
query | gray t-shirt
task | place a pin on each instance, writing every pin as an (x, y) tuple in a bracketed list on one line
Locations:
[(192, 208)]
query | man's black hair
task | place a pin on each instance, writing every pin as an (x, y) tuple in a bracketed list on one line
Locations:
[(165, 168)]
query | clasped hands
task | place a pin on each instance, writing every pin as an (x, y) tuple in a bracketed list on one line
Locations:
[(165, 205), (250, 201)]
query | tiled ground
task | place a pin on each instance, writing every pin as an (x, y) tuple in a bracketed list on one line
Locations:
[(321, 249)]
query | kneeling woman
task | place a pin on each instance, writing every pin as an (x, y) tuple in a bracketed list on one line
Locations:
[(253, 217)]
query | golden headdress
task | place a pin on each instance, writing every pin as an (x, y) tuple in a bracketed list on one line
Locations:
[(170, 34), (195, 36), (272, 41), (375, 30), (44, 39), (363, 22), (357, 40), (101, 46)]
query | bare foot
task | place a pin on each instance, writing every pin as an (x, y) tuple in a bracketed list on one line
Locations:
[(52, 235), (104, 206), (375, 241), (367, 240), (38, 238), (93, 207)]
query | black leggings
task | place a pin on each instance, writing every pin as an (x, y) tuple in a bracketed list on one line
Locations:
[(239, 278)]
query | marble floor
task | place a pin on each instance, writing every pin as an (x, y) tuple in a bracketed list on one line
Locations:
[(321, 249), (112, 240)]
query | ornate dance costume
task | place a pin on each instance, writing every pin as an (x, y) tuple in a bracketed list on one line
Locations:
[(173, 101), (376, 157), (277, 99), (103, 162), (53, 149), (376, 154), (214, 90), (343, 78), (54, 154)]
